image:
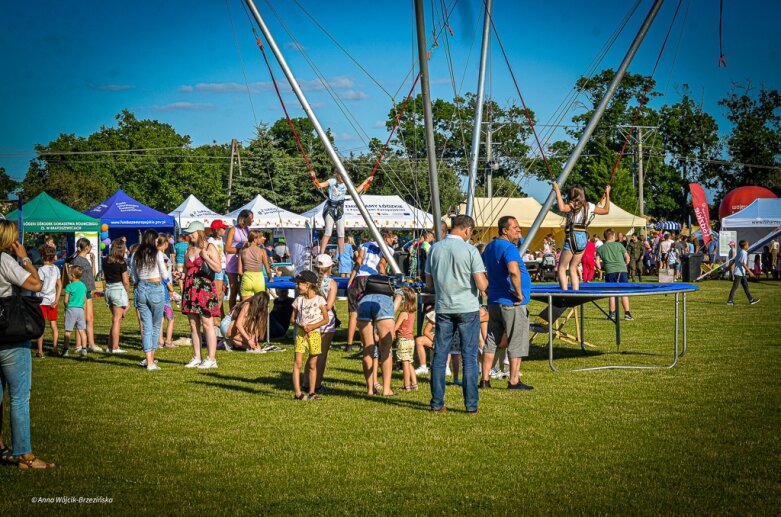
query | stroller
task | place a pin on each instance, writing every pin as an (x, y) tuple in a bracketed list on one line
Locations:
[(548, 267)]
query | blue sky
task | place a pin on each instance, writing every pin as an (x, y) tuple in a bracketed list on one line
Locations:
[(70, 67)]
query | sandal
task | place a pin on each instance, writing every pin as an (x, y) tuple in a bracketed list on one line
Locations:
[(313, 396), (414, 387), (5, 455), (391, 394), (299, 397), (32, 462), (169, 344), (39, 354), (377, 386)]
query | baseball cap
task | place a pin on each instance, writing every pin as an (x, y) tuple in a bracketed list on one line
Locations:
[(306, 276), (324, 260), (193, 227), (731, 243), (218, 224)]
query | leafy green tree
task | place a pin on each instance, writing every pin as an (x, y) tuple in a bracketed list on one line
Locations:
[(755, 140), (7, 184)]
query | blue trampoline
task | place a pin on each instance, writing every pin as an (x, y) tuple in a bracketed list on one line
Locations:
[(554, 296)]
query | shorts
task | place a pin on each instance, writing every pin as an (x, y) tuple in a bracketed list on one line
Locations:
[(89, 294), (168, 311), (220, 276), (74, 318), (510, 319), (405, 348), (331, 325), (354, 292), (310, 343), (329, 226), (49, 312), (225, 324), (375, 307), (620, 278), (116, 296), (252, 283)]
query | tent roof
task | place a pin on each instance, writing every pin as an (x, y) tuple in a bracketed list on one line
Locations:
[(268, 215), (191, 210), (43, 213), (762, 212), (618, 218), (524, 209), (390, 212), (122, 211)]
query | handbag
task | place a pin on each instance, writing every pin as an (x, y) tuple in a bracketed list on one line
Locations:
[(380, 284), (21, 318), (206, 272)]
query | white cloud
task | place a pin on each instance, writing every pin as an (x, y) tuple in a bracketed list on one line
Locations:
[(353, 95), (295, 46), (344, 137), (380, 124), (311, 85), (183, 106)]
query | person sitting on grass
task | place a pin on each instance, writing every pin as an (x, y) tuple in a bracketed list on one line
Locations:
[(405, 342), (279, 319), (50, 294), (425, 340), (309, 314), (245, 326), (75, 296)]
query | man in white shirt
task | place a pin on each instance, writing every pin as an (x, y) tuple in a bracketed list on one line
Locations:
[(740, 270)]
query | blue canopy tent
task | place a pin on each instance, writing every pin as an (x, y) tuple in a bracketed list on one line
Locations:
[(668, 225), (127, 217)]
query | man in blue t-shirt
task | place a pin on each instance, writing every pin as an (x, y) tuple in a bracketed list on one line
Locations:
[(509, 291)]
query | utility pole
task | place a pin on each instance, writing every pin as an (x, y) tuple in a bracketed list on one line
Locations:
[(235, 158), (643, 132)]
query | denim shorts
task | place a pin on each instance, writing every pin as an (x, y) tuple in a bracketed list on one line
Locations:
[(375, 307), (220, 276)]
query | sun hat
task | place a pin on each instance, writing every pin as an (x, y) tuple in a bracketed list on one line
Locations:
[(193, 227), (306, 276), (324, 260)]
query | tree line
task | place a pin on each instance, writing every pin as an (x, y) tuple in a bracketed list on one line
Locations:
[(158, 166)]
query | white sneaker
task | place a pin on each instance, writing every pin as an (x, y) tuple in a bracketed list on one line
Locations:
[(494, 373), (421, 370), (207, 364), (256, 351), (448, 373), (143, 362), (79, 350), (117, 351), (194, 363), (503, 375), (95, 348), (152, 368)]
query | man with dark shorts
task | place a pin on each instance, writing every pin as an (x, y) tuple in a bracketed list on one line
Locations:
[(614, 261), (509, 292)]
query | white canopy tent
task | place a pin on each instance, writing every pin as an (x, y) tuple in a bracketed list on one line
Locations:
[(755, 221), (191, 210), (386, 211), (269, 216)]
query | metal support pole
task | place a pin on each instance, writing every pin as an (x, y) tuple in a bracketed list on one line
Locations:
[(592, 123), (640, 172), (386, 251), (478, 121), (428, 118), (489, 161)]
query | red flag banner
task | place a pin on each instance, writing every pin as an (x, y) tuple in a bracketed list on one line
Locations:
[(700, 204)]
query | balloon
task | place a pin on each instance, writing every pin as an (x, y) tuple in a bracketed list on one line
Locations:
[(106, 241), (738, 199), (103, 235), (102, 245), (104, 227), (171, 241)]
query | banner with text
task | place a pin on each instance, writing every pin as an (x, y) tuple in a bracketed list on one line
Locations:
[(701, 212)]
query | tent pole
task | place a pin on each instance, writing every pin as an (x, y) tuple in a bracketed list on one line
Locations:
[(478, 121), (348, 182), (592, 123)]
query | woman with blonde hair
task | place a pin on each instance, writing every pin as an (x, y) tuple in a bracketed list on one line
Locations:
[(199, 299), (15, 359), (579, 214), (252, 261)]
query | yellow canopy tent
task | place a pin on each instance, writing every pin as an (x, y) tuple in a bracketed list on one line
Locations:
[(618, 219), (525, 209)]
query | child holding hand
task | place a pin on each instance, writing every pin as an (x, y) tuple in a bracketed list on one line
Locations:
[(309, 314)]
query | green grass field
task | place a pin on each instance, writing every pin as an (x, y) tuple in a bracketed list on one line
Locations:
[(701, 438)]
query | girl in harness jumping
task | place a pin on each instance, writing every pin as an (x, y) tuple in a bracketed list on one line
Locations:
[(333, 211), (579, 216)]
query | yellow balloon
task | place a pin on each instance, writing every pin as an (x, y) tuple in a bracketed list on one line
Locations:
[(104, 227)]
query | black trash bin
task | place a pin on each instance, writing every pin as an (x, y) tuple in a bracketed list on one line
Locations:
[(690, 267)]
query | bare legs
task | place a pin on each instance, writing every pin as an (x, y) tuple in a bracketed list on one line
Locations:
[(569, 262), (117, 314)]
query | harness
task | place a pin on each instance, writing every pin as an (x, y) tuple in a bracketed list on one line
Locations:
[(333, 208)]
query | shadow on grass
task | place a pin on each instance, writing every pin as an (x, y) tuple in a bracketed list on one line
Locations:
[(281, 381)]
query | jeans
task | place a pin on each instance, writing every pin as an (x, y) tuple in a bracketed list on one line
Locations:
[(150, 302), (468, 326), (16, 372)]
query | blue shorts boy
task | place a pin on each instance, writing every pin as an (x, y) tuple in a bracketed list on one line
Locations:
[(620, 278)]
